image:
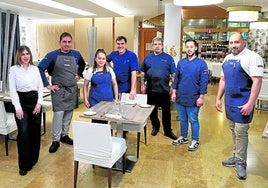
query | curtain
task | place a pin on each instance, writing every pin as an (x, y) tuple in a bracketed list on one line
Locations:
[(9, 42)]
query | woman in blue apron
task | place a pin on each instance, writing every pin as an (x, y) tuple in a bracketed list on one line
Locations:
[(103, 82)]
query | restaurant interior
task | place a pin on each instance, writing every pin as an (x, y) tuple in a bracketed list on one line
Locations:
[(158, 163)]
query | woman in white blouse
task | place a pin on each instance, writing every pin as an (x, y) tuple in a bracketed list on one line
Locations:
[(26, 91)]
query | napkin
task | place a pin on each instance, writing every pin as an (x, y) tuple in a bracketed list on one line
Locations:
[(5, 97), (114, 116)]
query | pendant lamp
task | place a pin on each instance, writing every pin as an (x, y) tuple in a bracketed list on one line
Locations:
[(196, 2), (245, 13)]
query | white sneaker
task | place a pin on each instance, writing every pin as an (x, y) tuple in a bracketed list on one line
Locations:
[(194, 145), (180, 140)]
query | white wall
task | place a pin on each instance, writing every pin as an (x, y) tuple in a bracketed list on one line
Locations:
[(28, 35)]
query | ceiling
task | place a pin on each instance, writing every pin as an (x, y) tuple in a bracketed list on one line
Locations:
[(141, 9)]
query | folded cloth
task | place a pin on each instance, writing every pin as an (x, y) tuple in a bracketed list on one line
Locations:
[(7, 98), (130, 102), (114, 116)]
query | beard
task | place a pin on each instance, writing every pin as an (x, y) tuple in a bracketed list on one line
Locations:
[(190, 54)]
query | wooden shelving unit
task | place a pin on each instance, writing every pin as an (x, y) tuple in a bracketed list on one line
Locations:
[(213, 51)]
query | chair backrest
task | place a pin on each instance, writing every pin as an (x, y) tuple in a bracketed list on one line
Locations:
[(91, 140), (140, 98), (216, 70), (7, 120), (264, 88), (3, 115)]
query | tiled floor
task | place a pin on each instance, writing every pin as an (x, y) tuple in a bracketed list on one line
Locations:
[(161, 165)]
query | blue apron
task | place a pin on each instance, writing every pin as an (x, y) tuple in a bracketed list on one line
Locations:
[(237, 91), (101, 88)]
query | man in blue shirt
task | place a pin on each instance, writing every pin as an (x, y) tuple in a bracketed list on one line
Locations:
[(125, 65), (242, 72), (157, 70), (189, 89), (65, 66)]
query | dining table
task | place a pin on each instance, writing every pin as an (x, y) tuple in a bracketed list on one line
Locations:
[(6, 98), (122, 117)]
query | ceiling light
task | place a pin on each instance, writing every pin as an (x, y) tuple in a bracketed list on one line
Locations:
[(265, 14), (117, 7), (262, 23), (196, 2), (56, 5), (243, 13)]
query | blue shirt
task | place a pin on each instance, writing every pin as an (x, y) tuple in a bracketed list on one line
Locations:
[(49, 61), (158, 70), (190, 81), (123, 65)]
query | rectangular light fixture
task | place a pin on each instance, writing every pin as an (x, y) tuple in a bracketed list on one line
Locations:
[(56, 5), (112, 6), (246, 13), (196, 2), (261, 23)]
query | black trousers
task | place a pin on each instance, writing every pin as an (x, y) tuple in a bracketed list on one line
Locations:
[(160, 100), (29, 130)]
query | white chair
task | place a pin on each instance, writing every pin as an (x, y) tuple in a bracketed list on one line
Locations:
[(139, 100), (7, 124), (263, 95), (216, 69), (94, 144), (46, 106)]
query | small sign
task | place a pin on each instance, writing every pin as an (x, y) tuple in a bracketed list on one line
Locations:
[(209, 31)]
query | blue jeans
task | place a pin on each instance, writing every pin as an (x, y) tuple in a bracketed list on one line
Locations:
[(189, 113)]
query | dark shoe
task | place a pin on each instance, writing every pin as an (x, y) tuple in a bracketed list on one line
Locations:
[(154, 132), (23, 172), (229, 162), (66, 139), (54, 147), (30, 168), (241, 169), (125, 134), (171, 135)]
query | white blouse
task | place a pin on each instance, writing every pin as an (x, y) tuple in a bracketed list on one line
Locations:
[(90, 73), (24, 80)]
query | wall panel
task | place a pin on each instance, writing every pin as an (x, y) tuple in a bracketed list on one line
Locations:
[(48, 36), (125, 26), (105, 38)]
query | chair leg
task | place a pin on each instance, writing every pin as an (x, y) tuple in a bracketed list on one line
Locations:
[(124, 163), (145, 134), (76, 163), (138, 144), (109, 173), (44, 123), (6, 144)]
